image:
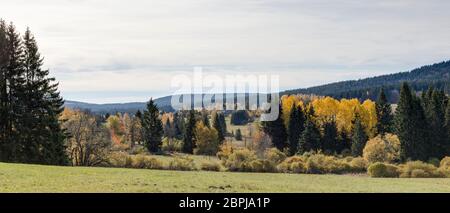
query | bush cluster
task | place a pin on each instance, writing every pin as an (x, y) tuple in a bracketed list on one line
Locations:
[(210, 166), (379, 169), (411, 169), (182, 163), (140, 161), (418, 169), (171, 145)]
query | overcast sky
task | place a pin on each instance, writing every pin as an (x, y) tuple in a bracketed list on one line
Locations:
[(118, 51)]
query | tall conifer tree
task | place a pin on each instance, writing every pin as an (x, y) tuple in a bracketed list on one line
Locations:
[(384, 114), (152, 127), (410, 124)]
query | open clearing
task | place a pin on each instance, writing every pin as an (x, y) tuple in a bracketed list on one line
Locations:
[(36, 178)]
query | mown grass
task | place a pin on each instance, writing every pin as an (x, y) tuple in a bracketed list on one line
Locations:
[(36, 178)]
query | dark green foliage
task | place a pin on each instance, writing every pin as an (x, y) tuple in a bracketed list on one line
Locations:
[(178, 125), (238, 135), (330, 137), (310, 137), (384, 114), (30, 104), (152, 127), (295, 128), (239, 117), (436, 75), (411, 126), (217, 124), (276, 130), (434, 103), (344, 142), (189, 137), (359, 137), (205, 119)]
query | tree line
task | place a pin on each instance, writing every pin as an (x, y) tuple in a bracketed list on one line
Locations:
[(30, 103), (422, 123)]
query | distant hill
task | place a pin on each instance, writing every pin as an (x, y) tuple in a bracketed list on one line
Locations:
[(436, 75), (163, 103)]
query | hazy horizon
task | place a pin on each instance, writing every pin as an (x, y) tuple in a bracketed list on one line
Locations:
[(116, 52)]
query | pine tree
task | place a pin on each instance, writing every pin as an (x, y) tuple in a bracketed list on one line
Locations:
[(295, 128), (435, 114), (276, 130), (359, 137), (152, 127), (12, 88), (4, 115), (384, 114), (330, 137), (217, 125), (410, 124), (238, 135), (310, 138), (205, 119), (177, 125), (223, 123), (189, 137), (447, 125)]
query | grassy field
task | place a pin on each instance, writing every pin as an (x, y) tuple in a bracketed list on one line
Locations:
[(36, 178)]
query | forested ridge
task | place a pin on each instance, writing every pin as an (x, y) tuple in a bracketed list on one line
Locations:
[(435, 75)]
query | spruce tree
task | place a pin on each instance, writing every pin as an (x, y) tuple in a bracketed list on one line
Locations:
[(447, 125), (189, 137), (295, 128), (359, 137), (223, 123), (384, 114), (238, 135), (410, 126), (218, 127), (330, 137), (276, 130), (12, 89), (152, 127), (177, 125), (435, 114), (4, 115), (205, 119), (310, 137)]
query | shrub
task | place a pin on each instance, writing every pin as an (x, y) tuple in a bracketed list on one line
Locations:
[(171, 145), (379, 169), (261, 142), (382, 149), (320, 164), (146, 162), (445, 163), (137, 149), (207, 140), (210, 166), (419, 169), (120, 159), (260, 165), (226, 149), (294, 164), (239, 160), (358, 164), (274, 155), (182, 163)]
